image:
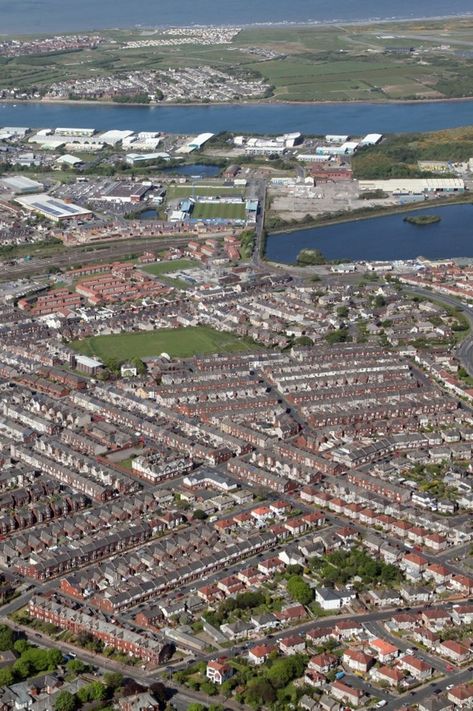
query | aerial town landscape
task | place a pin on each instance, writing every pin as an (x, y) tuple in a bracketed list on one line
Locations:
[(236, 369)]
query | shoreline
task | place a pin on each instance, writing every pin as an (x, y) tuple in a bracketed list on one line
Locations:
[(269, 101), (319, 24), (466, 199), (213, 104)]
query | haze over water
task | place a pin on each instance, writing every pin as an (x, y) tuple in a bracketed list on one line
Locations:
[(33, 16)]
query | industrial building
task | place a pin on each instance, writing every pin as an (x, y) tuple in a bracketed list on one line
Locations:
[(8, 132), (69, 160), (313, 158), (415, 186), (53, 208), (196, 143), (371, 139), (112, 137), (142, 142), (268, 146), (86, 132), (345, 149), (336, 138), (89, 366), (121, 192), (19, 185), (261, 146), (137, 158)]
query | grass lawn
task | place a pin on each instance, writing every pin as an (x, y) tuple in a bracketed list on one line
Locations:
[(224, 211), (177, 342), (168, 267), (175, 282), (187, 191), (127, 462)]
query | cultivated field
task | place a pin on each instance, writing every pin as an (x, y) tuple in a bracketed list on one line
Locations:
[(178, 342), (301, 63)]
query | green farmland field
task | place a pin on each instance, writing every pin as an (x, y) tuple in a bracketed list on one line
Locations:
[(225, 211), (339, 62), (177, 342)]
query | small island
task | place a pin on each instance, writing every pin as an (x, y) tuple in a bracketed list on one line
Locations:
[(310, 257), (422, 219)]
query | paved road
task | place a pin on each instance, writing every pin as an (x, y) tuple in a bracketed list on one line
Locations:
[(464, 351), (180, 694), (259, 189), (379, 630), (422, 693), (450, 554), (183, 694), (357, 683), (365, 618)]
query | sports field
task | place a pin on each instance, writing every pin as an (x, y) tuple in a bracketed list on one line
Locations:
[(167, 267), (188, 191), (224, 211), (177, 342)]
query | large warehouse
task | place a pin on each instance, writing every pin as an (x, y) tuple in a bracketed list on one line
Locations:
[(415, 186), (53, 208), (125, 192), (196, 143), (19, 185)]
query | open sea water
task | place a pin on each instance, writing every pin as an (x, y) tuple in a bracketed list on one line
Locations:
[(34, 16)]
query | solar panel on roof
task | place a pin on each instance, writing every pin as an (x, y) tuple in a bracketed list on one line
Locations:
[(71, 209), (46, 208)]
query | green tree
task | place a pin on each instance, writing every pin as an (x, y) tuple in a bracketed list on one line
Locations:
[(199, 514), (303, 341), (7, 638), (228, 686), (159, 692), (54, 657), (113, 364), (285, 670), (338, 336), (6, 676), (21, 645), (196, 707), (76, 666), (84, 694), (260, 691), (22, 669), (113, 680), (308, 257), (65, 701), (98, 691), (294, 569), (39, 658), (139, 365), (208, 688), (300, 590)]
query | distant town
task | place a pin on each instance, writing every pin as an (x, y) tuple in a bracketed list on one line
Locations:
[(376, 62)]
